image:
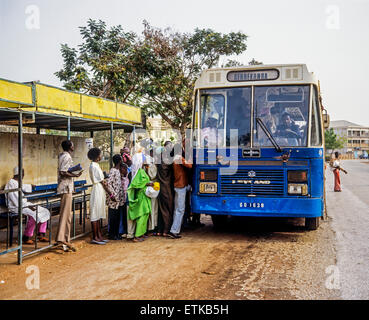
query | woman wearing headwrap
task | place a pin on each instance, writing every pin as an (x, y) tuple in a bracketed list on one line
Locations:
[(152, 172), (126, 156), (139, 204)]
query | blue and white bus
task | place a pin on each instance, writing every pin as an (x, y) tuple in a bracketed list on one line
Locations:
[(258, 143)]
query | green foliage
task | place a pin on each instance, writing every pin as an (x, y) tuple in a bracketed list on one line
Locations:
[(232, 63), (332, 141), (156, 71), (107, 64), (254, 62), (177, 60)]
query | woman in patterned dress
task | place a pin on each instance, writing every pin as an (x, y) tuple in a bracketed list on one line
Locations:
[(115, 203)]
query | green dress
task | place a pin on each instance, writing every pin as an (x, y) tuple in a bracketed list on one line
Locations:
[(139, 204)]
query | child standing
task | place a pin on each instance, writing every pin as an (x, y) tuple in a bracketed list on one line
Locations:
[(98, 196)]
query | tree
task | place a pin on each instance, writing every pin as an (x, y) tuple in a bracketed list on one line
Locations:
[(177, 61), (332, 141), (254, 62), (156, 71), (232, 63), (109, 64), (235, 63)]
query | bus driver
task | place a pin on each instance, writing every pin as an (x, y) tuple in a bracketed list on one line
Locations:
[(288, 128)]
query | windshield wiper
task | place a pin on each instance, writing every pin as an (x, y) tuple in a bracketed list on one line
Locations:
[(268, 134)]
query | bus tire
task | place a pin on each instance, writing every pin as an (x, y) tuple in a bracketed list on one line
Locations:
[(312, 223), (219, 221)]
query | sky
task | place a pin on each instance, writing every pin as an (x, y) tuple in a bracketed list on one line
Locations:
[(330, 36)]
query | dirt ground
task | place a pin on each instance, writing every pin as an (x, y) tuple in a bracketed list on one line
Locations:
[(250, 259)]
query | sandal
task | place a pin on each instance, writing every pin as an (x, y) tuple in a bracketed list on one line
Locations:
[(71, 247), (168, 235), (62, 246)]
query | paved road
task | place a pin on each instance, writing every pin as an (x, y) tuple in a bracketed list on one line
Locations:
[(349, 211)]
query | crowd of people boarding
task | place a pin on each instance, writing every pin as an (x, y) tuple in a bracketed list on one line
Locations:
[(144, 194)]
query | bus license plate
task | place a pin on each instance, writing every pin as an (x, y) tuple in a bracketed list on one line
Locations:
[(251, 205)]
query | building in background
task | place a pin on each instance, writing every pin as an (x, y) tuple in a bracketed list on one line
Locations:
[(160, 131), (356, 137)]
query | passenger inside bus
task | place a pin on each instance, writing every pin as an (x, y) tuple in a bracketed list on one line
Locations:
[(218, 107), (212, 119), (210, 134), (238, 117), (268, 118)]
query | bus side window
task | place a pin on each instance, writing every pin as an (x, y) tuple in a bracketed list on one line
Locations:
[(315, 138)]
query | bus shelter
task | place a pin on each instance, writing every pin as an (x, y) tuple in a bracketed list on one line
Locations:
[(43, 106)]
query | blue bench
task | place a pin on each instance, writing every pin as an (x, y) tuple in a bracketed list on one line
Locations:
[(38, 192), (49, 190)]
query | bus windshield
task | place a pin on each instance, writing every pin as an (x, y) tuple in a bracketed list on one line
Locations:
[(223, 110), (284, 111)]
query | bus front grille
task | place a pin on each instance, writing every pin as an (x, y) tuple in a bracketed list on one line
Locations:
[(252, 182)]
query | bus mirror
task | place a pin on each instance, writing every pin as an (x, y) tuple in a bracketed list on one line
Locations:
[(326, 120)]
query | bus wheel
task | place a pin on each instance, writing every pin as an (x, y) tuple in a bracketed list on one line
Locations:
[(219, 221), (312, 223)]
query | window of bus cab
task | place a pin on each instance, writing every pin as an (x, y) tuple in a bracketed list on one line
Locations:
[(285, 112), (225, 117), (316, 135)]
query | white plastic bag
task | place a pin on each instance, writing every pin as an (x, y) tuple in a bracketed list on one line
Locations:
[(151, 192)]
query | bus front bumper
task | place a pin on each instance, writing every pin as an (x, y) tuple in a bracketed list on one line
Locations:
[(258, 207)]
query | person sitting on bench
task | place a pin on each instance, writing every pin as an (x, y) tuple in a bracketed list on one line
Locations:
[(43, 215)]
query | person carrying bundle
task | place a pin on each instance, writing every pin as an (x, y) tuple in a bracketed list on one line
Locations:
[(336, 168)]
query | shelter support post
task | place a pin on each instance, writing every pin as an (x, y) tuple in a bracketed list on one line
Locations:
[(20, 185), (111, 144), (134, 137), (68, 129)]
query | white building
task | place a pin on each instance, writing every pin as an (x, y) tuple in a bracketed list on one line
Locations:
[(357, 136), (160, 131)]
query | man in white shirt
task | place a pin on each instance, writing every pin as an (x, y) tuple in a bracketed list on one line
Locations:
[(65, 189)]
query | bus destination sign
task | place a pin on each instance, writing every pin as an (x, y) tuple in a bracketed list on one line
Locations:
[(260, 75)]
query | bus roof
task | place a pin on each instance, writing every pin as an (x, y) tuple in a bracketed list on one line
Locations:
[(273, 74)]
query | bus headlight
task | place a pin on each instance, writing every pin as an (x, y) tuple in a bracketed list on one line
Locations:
[(298, 189), (208, 187)]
